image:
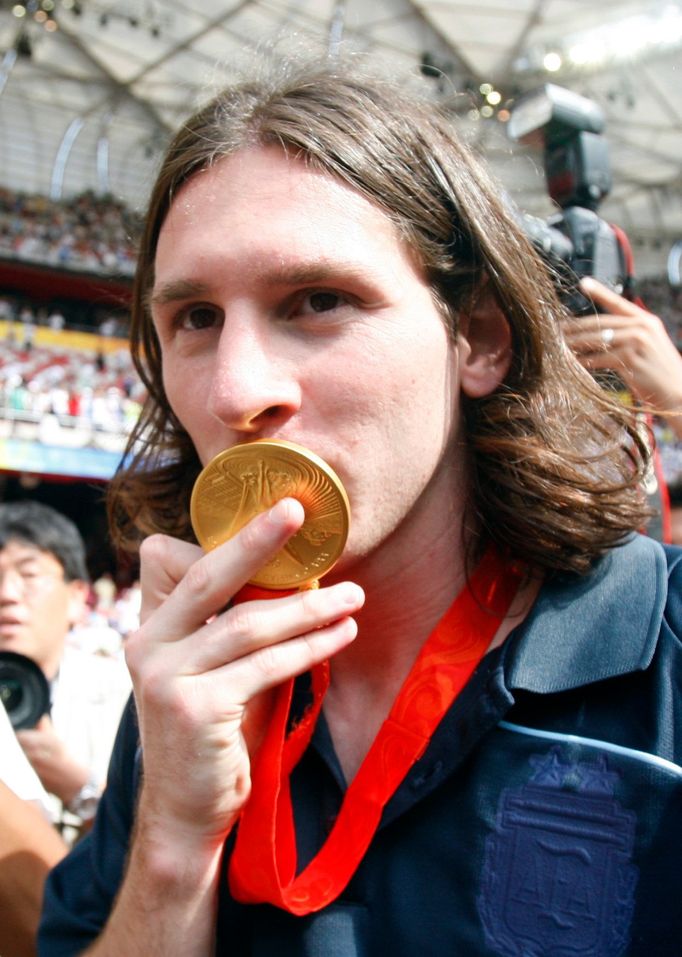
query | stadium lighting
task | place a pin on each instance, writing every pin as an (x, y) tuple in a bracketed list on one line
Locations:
[(629, 39)]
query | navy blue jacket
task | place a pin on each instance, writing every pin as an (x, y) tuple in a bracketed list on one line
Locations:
[(545, 818)]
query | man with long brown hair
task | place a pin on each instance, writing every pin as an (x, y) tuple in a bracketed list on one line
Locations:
[(464, 740)]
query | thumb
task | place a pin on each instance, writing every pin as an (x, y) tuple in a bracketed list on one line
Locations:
[(44, 723)]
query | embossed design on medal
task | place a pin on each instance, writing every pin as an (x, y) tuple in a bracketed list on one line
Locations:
[(247, 479)]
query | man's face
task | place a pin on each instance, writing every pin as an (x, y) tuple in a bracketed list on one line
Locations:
[(287, 307), (37, 605)]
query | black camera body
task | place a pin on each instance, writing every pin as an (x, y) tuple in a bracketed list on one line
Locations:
[(24, 690), (575, 242)]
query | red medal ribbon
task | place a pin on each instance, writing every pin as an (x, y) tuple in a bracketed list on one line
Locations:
[(263, 864)]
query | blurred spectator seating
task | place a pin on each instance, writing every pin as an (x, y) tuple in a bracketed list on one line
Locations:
[(658, 297), (68, 389), (85, 233)]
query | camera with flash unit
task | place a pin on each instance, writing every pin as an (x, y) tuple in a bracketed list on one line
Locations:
[(574, 242)]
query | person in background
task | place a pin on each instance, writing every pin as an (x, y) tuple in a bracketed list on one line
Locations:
[(467, 739), (104, 588), (126, 613), (43, 595), (56, 320), (675, 492), (626, 338), (29, 846)]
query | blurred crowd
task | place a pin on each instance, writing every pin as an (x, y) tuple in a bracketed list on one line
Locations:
[(24, 318), (112, 612), (86, 232), (55, 387), (665, 302)]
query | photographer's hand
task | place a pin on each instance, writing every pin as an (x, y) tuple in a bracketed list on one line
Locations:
[(58, 771), (634, 343)]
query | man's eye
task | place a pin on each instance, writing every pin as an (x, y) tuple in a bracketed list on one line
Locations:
[(321, 301), (199, 317)]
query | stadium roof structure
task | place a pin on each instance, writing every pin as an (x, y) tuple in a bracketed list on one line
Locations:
[(91, 89)]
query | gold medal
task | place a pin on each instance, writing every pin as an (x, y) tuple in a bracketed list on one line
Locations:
[(247, 479)]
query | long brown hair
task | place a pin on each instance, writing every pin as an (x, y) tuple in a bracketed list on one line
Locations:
[(556, 462)]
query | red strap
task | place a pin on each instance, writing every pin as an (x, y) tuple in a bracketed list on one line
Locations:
[(263, 864)]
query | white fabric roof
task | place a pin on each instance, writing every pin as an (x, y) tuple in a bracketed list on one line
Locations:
[(91, 104)]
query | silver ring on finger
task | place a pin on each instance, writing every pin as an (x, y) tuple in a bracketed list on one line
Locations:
[(607, 336)]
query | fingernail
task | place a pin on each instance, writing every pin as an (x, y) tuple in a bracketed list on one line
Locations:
[(281, 513), (351, 594)]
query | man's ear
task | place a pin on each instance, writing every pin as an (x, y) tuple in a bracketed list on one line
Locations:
[(484, 345), (79, 592)]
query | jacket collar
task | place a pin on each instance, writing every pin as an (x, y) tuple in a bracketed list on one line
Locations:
[(592, 628)]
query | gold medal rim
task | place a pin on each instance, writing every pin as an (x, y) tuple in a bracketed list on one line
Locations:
[(298, 452)]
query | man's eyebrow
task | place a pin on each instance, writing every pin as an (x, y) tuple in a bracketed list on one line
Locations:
[(31, 558), (272, 274), (309, 273), (176, 290)]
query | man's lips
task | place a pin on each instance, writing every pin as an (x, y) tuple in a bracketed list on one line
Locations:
[(9, 626)]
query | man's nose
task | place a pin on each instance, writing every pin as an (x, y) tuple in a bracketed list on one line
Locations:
[(11, 585), (255, 385)]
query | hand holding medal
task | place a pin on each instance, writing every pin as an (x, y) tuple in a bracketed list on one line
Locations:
[(201, 668), (248, 479)]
